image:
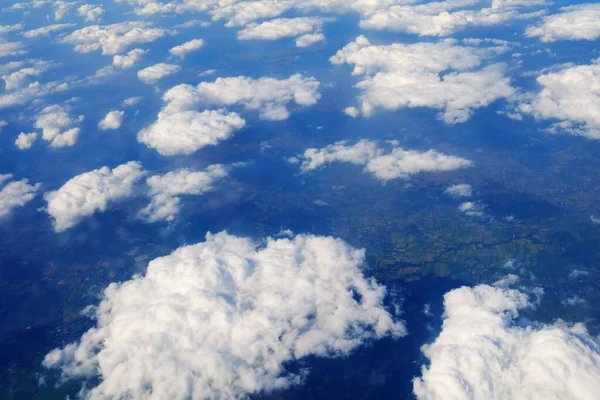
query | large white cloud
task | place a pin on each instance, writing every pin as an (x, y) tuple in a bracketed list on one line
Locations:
[(180, 129), (381, 163), (482, 353), (57, 126), (185, 48), (115, 38), (570, 95), (90, 192), (222, 318), (154, 73), (166, 190), (15, 194), (268, 95), (306, 27), (442, 75), (578, 22)]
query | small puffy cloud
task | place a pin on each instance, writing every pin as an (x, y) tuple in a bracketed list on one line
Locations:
[(46, 30), (15, 194), (594, 219), (382, 164), (440, 75), (11, 49), (268, 95), (57, 126), (570, 95), (461, 190), (112, 120), (113, 39), (156, 72), (166, 190), (131, 101), (578, 22), (26, 140), (309, 39), (183, 49), (483, 353), (472, 209), (285, 27), (222, 319), (130, 59), (18, 79), (352, 112), (90, 12), (90, 192)]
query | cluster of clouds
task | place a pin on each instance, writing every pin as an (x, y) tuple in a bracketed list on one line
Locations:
[(181, 129), (383, 164), (15, 194), (223, 318), (441, 75), (115, 38), (485, 352), (58, 127), (91, 192), (577, 22), (571, 95), (307, 30)]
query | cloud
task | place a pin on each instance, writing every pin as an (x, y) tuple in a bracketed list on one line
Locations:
[(444, 18), (11, 49), (382, 164), (578, 22), (113, 39), (438, 75), (90, 12), (112, 120), (276, 29), (472, 208), (26, 140), (183, 49), (90, 192), (223, 318), (18, 79), (156, 72), (461, 190), (15, 194), (166, 190), (130, 59), (57, 126), (268, 95), (570, 95), (131, 101), (482, 353), (10, 28), (46, 30)]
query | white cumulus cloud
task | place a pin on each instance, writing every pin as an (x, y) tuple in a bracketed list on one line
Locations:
[(383, 164), (482, 353), (285, 27), (570, 95), (166, 190), (154, 73), (577, 22), (130, 59), (15, 194), (440, 75), (57, 126), (25, 140), (112, 120), (222, 318), (90, 192), (185, 48), (460, 190), (91, 12), (113, 39)]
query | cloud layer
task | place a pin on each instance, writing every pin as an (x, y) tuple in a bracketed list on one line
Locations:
[(222, 318), (482, 353)]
